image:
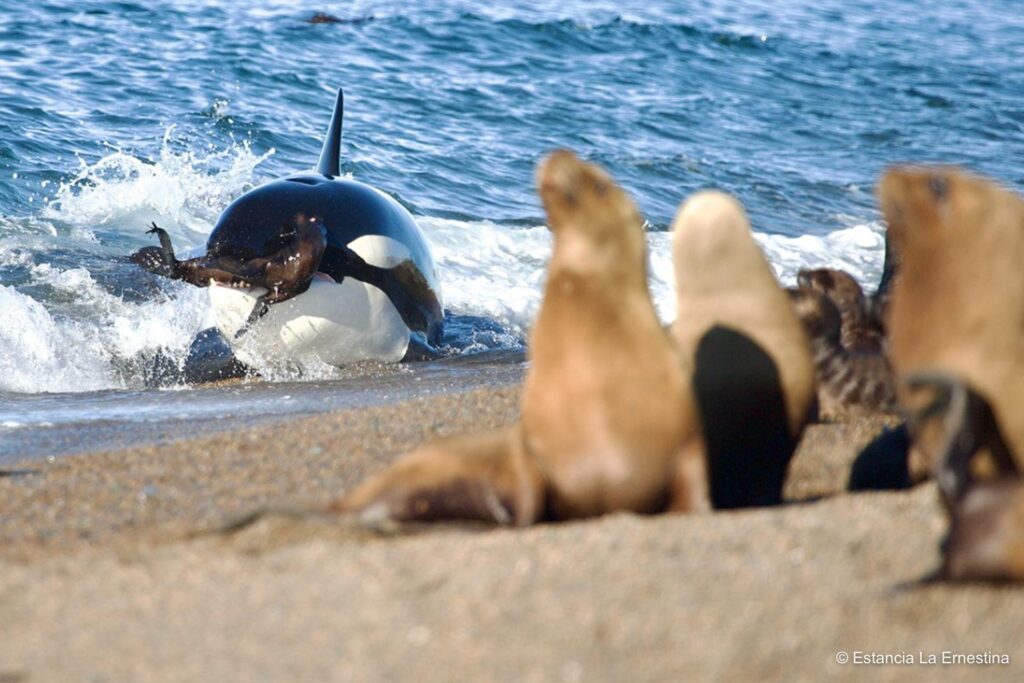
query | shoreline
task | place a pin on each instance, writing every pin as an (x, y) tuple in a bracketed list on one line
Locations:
[(40, 426), (126, 542)]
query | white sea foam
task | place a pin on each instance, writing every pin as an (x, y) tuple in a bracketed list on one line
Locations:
[(498, 271), (185, 191), (80, 337), (89, 345)]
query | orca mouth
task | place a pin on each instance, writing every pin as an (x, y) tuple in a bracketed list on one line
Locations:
[(242, 286), (320, 275)]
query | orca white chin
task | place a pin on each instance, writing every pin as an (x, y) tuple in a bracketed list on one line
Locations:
[(337, 324)]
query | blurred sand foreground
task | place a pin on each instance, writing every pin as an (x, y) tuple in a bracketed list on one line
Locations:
[(103, 576)]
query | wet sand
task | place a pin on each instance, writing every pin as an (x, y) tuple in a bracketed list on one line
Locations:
[(111, 569), (54, 425)]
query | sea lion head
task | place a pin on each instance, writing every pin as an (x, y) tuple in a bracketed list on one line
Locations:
[(943, 204), (958, 303), (818, 313), (918, 196), (860, 331), (839, 286), (712, 234), (595, 236)]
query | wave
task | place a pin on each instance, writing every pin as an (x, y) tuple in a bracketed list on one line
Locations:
[(186, 190), (497, 271)]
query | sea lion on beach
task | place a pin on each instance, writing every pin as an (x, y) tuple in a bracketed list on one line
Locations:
[(753, 372), (315, 265), (607, 423), (850, 383), (958, 303), (985, 540), (859, 331)]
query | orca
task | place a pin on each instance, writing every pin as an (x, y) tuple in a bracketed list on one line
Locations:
[(314, 265)]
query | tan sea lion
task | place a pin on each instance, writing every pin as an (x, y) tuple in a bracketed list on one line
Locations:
[(850, 383), (608, 422), (985, 540), (958, 303), (859, 331), (753, 373)]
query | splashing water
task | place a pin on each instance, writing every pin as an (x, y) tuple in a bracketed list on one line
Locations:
[(185, 190)]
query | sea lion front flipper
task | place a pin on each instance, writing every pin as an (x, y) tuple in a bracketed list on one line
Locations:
[(967, 426), (743, 413), (166, 248), (985, 540), (151, 259), (484, 477), (157, 260)]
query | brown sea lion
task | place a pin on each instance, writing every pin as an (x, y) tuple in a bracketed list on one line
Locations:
[(608, 422), (958, 304), (285, 273), (986, 513), (850, 383), (859, 331), (753, 372)]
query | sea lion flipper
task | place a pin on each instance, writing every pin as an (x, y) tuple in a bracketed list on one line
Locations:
[(151, 259), (166, 248), (968, 427), (742, 407), (946, 402), (985, 540), (158, 260), (480, 477)]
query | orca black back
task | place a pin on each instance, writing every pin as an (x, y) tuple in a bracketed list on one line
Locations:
[(742, 409), (252, 226)]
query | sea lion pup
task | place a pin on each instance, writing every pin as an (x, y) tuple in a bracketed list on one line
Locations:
[(285, 273), (958, 303), (607, 419), (850, 383), (753, 372), (986, 516), (859, 331)]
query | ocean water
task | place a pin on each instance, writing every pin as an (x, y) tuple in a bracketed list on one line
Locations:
[(115, 114)]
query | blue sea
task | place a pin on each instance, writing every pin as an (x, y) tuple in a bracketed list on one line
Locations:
[(115, 114)]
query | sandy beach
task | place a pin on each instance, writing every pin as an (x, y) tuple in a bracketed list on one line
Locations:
[(113, 567)]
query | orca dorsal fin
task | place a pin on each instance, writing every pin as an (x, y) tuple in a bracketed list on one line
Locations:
[(330, 155)]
